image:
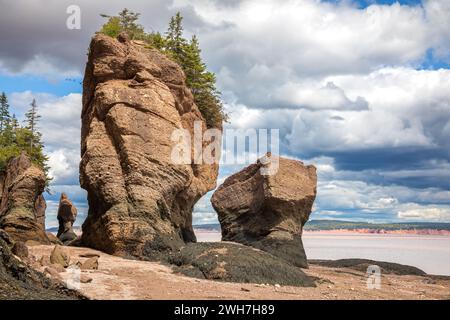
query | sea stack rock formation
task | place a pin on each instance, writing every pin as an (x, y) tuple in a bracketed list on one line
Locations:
[(140, 202), (67, 214), (22, 206), (266, 205)]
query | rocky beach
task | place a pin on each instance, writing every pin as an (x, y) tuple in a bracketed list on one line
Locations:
[(138, 241)]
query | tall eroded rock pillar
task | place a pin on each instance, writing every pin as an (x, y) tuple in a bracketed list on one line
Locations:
[(140, 201)]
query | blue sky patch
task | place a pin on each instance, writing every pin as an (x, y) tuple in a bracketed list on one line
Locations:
[(21, 83)]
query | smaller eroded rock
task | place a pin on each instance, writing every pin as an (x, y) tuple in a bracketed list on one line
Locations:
[(85, 279), (266, 204), (90, 264), (67, 214), (60, 256), (22, 205)]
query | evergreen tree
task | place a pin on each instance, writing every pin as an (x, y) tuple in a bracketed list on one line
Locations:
[(14, 139), (125, 21), (112, 28), (203, 85), (32, 118), (4, 111), (193, 66), (33, 137), (155, 40), (14, 122), (175, 43)]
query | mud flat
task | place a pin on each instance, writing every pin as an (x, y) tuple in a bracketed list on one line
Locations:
[(118, 278)]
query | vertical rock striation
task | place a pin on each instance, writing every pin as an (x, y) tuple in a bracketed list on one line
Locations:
[(140, 202)]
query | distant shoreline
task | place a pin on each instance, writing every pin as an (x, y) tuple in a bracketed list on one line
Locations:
[(347, 227), (425, 232)]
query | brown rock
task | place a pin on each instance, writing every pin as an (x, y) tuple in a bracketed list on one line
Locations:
[(45, 261), (52, 272), (22, 206), (58, 267), (268, 211), (60, 256), (32, 243), (67, 214), (140, 202), (90, 264), (85, 279), (20, 281), (20, 249)]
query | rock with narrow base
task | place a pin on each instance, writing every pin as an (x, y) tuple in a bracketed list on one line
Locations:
[(67, 214), (140, 200), (266, 205), (22, 206)]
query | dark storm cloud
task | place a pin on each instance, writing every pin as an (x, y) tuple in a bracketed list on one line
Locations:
[(37, 29)]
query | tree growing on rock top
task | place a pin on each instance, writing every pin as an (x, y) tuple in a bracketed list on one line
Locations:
[(4, 112), (15, 138), (185, 52)]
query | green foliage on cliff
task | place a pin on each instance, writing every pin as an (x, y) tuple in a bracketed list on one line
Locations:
[(185, 52), (15, 138)]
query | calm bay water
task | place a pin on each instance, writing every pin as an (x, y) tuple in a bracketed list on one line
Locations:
[(429, 253)]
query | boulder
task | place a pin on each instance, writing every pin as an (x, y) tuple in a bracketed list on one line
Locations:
[(58, 267), (45, 261), (266, 205), (53, 273), (67, 214), (85, 279), (22, 206), (140, 201), (18, 281), (20, 249), (60, 256), (90, 264)]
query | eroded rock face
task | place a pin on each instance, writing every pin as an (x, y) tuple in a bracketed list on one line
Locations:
[(140, 202), (67, 214), (22, 206), (268, 211)]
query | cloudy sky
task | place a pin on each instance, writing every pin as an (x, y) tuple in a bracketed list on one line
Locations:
[(360, 88)]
